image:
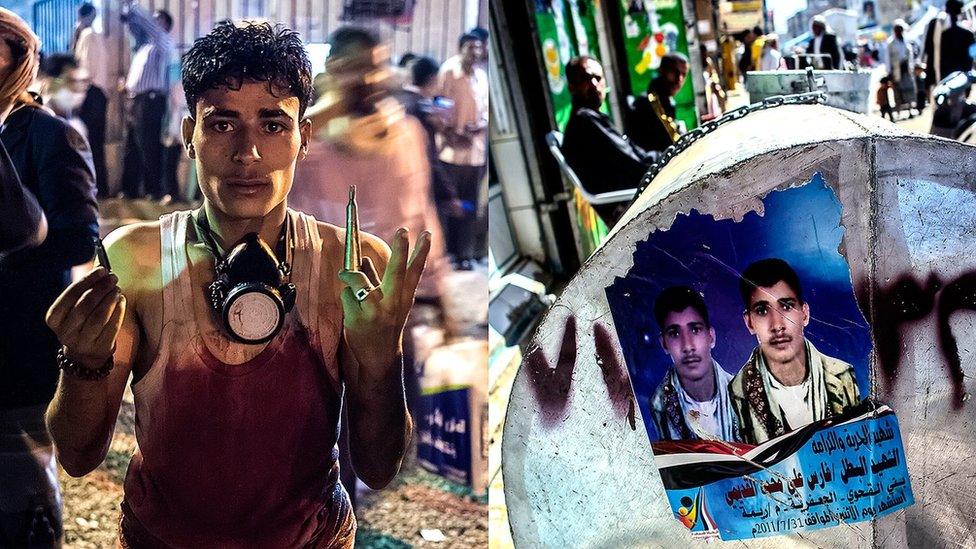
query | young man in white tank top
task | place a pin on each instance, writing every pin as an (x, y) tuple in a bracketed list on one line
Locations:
[(247, 87)]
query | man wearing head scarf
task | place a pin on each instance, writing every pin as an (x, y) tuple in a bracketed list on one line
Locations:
[(24, 223), (901, 62), (53, 161)]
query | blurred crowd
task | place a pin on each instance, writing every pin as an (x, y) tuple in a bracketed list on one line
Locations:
[(606, 160), (446, 100)]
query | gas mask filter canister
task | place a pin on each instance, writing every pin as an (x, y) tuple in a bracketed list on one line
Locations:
[(252, 292)]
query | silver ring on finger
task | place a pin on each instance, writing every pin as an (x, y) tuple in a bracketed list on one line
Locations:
[(363, 293)]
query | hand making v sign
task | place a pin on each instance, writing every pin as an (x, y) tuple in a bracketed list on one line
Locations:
[(375, 312)]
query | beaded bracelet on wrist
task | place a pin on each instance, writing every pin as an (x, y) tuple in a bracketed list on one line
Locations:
[(76, 369)]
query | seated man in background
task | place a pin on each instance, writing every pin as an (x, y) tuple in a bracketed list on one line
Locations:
[(652, 124), (603, 158)]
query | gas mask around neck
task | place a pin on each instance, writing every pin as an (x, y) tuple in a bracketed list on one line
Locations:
[(252, 291)]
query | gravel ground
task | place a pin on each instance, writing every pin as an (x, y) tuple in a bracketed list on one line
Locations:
[(91, 503), (390, 518), (416, 500)]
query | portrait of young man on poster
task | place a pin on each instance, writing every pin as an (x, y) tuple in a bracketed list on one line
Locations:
[(786, 383), (759, 412), (695, 388)]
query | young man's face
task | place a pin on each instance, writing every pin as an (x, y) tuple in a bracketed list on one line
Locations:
[(777, 318), (689, 341), (246, 143)]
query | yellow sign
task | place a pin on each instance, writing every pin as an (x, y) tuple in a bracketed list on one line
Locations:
[(747, 5)]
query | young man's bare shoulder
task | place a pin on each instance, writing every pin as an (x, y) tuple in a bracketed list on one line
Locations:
[(133, 251)]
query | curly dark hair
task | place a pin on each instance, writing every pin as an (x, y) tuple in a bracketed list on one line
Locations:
[(256, 51)]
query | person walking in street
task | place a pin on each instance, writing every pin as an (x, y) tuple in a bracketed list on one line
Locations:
[(147, 87), (948, 46), (901, 62), (464, 144), (91, 51)]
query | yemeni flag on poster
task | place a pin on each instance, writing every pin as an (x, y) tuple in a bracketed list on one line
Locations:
[(846, 469)]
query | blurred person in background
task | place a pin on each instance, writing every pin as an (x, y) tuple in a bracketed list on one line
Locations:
[(746, 61), (654, 126), (824, 42), (603, 158), (715, 97), (901, 62), (883, 98), (463, 144), (174, 168), (64, 89), (948, 45), (921, 92), (362, 136), (730, 77), (405, 90), (403, 67), (772, 59), (756, 48), (54, 163), (147, 86), (91, 51), (24, 223), (420, 99), (482, 33)]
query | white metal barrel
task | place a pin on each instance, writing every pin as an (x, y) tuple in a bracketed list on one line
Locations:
[(577, 462)]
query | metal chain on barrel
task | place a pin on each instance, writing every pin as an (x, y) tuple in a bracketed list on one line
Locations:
[(687, 139)]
